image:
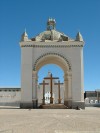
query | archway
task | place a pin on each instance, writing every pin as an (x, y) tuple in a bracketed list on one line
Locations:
[(52, 46), (58, 59), (57, 94)]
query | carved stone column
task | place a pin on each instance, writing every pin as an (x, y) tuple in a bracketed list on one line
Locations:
[(34, 89), (69, 79), (68, 89), (65, 89)]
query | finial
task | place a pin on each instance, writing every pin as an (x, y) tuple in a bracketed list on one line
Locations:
[(25, 29), (51, 23), (79, 37), (24, 36)]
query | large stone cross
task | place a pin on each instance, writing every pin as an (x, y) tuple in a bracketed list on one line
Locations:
[(43, 102), (59, 99), (51, 78)]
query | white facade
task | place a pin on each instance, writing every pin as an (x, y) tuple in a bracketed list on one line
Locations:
[(53, 47)]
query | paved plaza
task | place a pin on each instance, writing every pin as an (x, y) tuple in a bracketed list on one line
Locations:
[(50, 121)]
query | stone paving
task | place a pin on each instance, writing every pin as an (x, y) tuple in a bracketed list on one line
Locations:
[(50, 120)]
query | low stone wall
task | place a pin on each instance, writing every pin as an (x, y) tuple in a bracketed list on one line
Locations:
[(78, 104), (92, 105), (16, 104), (10, 97)]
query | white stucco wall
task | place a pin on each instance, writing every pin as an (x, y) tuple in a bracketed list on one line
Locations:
[(26, 73)]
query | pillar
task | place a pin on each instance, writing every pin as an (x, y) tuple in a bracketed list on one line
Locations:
[(69, 81), (65, 89), (68, 89), (34, 89), (98, 96)]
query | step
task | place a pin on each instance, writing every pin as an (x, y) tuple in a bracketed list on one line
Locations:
[(53, 106)]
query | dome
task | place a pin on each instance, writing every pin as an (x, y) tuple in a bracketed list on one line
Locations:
[(51, 34)]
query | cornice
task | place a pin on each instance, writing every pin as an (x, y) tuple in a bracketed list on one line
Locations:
[(52, 44)]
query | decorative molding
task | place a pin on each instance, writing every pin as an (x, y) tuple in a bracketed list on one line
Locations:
[(49, 46), (50, 53)]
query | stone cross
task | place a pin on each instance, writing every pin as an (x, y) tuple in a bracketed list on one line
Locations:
[(59, 99), (43, 102), (51, 78)]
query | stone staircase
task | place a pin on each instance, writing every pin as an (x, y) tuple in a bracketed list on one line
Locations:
[(53, 106)]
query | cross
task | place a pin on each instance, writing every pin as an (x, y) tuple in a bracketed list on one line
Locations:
[(59, 99), (51, 78), (43, 91)]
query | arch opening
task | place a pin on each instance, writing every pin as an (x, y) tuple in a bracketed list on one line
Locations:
[(52, 58), (50, 68), (63, 63), (45, 71)]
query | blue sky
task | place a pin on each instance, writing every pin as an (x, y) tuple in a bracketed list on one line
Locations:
[(71, 16)]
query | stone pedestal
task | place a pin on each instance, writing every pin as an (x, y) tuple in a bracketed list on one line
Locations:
[(59, 101), (79, 104), (68, 103), (35, 103), (74, 104), (51, 100), (43, 101), (26, 105)]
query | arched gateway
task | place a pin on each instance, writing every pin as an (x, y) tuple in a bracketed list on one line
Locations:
[(53, 47)]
